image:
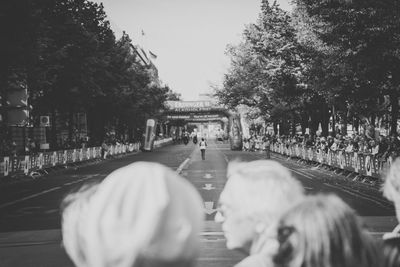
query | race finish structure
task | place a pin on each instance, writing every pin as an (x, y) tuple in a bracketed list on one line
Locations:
[(235, 133), (149, 135), (207, 112)]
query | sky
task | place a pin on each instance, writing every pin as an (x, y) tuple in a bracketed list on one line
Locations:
[(189, 37)]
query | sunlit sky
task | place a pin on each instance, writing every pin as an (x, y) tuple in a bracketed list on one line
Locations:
[(189, 37)]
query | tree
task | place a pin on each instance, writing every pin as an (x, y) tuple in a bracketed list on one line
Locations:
[(266, 69), (173, 96), (68, 55), (366, 36)]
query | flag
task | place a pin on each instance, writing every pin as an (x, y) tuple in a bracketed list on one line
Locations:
[(153, 56)]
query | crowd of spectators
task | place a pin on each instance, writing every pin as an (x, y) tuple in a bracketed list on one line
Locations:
[(382, 146)]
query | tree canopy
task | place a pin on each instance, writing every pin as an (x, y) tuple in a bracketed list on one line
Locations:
[(71, 62), (324, 62)]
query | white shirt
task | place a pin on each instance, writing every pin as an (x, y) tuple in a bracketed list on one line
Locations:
[(203, 145)]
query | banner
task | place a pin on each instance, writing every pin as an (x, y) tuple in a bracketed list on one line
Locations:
[(6, 166), (26, 165), (64, 157), (40, 161), (149, 135)]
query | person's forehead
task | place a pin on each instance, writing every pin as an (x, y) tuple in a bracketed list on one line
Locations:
[(233, 190)]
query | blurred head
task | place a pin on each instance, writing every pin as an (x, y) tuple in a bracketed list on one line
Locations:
[(143, 214), (391, 186), (254, 197), (324, 231), (391, 249), (372, 142)]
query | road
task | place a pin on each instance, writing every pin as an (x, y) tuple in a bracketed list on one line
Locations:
[(29, 211)]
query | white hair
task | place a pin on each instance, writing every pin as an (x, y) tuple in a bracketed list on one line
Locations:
[(391, 186), (261, 189), (142, 214)]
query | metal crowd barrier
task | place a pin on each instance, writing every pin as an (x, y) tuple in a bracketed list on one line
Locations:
[(25, 164), (361, 163), (159, 143)]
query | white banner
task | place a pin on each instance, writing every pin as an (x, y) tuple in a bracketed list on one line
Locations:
[(27, 164), (6, 166)]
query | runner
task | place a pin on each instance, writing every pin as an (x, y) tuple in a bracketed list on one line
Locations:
[(203, 145)]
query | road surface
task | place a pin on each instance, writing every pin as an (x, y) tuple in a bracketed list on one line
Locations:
[(29, 211)]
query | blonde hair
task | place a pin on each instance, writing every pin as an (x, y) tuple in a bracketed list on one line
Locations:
[(266, 189), (140, 215), (73, 210), (391, 186), (324, 231)]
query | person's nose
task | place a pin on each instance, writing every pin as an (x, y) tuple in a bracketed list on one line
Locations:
[(219, 218)]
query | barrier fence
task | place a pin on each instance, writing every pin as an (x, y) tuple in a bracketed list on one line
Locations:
[(361, 163), (25, 164)]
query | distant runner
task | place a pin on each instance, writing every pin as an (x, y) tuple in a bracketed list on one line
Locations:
[(203, 145)]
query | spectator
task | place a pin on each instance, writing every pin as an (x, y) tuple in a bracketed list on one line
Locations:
[(348, 145), (383, 145), (391, 190), (324, 145), (330, 141), (141, 215), (362, 148), (374, 146), (335, 145), (323, 231), (14, 151), (356, 148), (32, 146), (246, 144), (309, 141), (256, 194), (393, 147), (104, 150)]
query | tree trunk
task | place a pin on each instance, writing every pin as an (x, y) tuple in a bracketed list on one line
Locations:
[(275, 125), (53, 135), (314, 123), (356, 124), (70, 124), (304, 122), (333, 121), (293, 124), (325, 120), (394, 101)]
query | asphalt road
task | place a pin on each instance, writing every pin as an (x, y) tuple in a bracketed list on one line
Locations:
[(29, 211)]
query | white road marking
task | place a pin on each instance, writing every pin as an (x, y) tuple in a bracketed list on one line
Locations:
[(89, 176), (182, 165), (29, 197), (208, 187), (211, 233), (208, 176), (208, 207)]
